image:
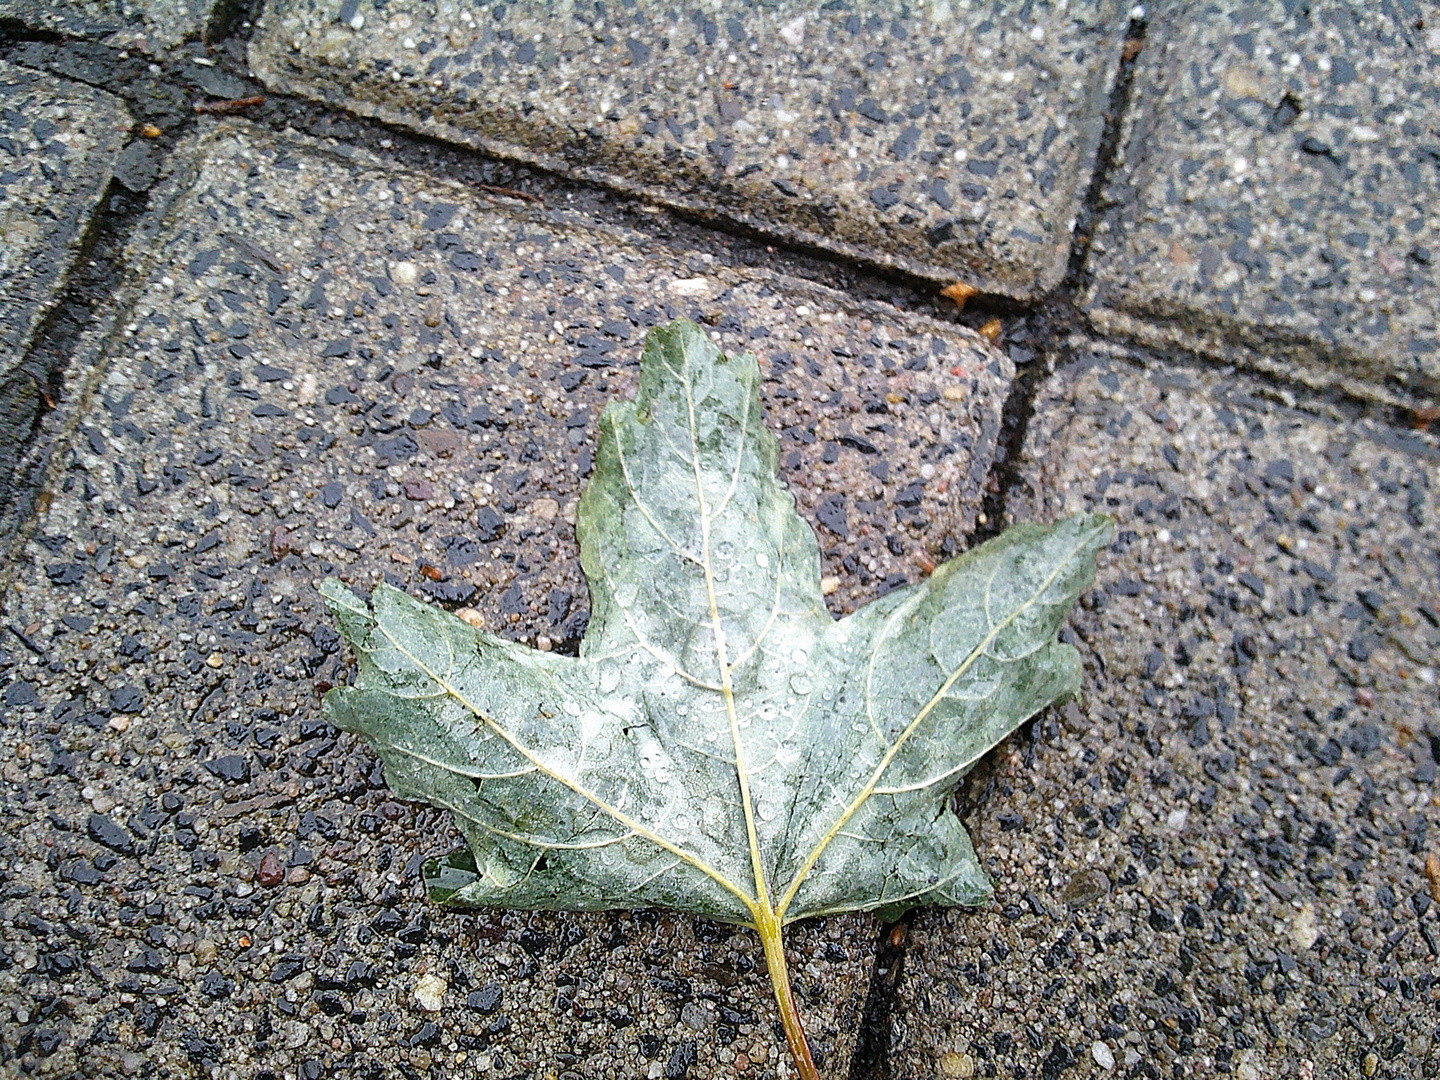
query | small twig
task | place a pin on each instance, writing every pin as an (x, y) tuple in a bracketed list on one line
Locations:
[(511, 192), (45, 394), (230, 105), (254, 251)]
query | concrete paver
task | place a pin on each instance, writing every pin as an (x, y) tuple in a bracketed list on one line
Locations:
[(335, 367), (1215, 862), (940, 139), (59, 142), (1273, 194), (1219, 861), (152, 26)]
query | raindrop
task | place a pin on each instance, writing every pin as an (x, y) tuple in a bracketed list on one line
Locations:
[(762, 560), (801, 684), (799, 656)]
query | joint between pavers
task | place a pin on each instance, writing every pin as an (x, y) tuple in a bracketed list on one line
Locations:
[(1117, 111)]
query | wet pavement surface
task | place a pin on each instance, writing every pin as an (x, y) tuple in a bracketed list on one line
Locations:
[(60, 142), (1271, 197), (337, 368), (939, 140), (270, 350), (1215, 861)]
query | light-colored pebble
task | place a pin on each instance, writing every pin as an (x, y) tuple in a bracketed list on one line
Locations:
[(1103, 1055)]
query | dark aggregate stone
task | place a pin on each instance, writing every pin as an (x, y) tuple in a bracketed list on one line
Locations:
[(103, 830), (487, 999), (231, 767)]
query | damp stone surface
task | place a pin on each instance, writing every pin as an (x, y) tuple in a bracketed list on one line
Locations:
[(333, 367), (1272, 195), (1214, 862), (940, 139), (151, 26), (59, 142)]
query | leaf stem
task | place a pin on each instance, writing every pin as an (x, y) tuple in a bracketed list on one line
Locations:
[(771, 938)]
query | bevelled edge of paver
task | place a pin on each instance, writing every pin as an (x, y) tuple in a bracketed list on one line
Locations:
[(190, 153), (149, 32), (72, 196), (38, 465), (108, 118), (282, 71), (1267, 351)]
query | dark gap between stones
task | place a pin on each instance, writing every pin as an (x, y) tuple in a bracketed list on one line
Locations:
[(230, 14), (99, 268), (12, 30), (1048, 326), (1116, 109), (871, 1059)]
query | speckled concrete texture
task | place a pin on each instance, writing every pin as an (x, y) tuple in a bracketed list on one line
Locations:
[(943, 138), (334, 367), (1273, 194), (1215, 863), (59, 142), (151, 26)]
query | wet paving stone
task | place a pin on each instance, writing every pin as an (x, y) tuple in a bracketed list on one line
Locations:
[(59, 143), (1215, 862), (331, 366), (151, 26), (1272, 191), (940, 139)]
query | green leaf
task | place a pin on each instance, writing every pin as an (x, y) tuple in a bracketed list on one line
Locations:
[(721, 745)]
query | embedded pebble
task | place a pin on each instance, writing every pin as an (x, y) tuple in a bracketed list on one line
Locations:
[(430, 992), (1103, 1055)]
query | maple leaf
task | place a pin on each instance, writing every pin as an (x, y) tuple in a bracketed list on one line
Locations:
[(721, 745)]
